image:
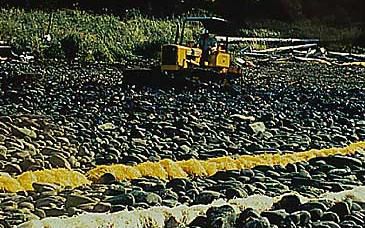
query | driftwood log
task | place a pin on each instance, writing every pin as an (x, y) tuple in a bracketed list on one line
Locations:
[(285, 48)]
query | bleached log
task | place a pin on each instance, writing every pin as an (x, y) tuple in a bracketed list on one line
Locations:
[(251, 54), (255, 39), (286, 48), (341, 54), (312, 60), (362, 64)]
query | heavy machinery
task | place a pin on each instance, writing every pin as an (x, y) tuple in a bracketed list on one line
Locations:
[(206, 59), (208, 53)]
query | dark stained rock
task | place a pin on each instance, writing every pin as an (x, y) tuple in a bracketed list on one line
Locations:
[(341, 209), (122, 199), (289, 203), (206, 197), (330, 216), (221, 217), (199, 221), (316, 214), (107, 178), (102, 207), (326, 224), (77, 200), (255, 223), (313, 205), (275, 217), (231, 193), (146, 197)]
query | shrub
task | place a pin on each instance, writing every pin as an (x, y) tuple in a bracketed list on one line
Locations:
[(71, 44)]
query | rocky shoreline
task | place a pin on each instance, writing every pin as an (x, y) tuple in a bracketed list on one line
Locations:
[(87, 115), (76, 117)]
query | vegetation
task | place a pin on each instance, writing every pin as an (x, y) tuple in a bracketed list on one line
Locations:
[(75, 33), (107, 37)]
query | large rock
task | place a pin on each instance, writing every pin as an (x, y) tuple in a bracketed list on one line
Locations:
[(49, 201), (341, 209), (199, 221), (147, 197), (53, 212), (221, 217), (326, 224), (58, 161), (43, 187), (107, 178), (275, 217), (122, 199), (206, 197), (247, 214), (289, 203), (102, 207), (77, 200), (255, 223), (22, 132), (3, 150), (12, 168)]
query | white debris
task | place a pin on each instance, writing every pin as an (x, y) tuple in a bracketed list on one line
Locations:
[(356, 194), (242, 117), (258, 127), (156, 216)]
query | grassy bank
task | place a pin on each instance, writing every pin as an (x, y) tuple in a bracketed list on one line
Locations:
[(109, 38), (87, 36)]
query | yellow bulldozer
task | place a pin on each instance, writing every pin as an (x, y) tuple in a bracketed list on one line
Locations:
[(206, 59), (206, 53)]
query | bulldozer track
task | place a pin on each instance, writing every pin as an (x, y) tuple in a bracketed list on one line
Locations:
[(188, 78)]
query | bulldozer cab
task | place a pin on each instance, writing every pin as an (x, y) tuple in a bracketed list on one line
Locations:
[(207, 41), (211, 25)]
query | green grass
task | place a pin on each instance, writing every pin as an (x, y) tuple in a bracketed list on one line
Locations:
[(90, 37), (87, 36)]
